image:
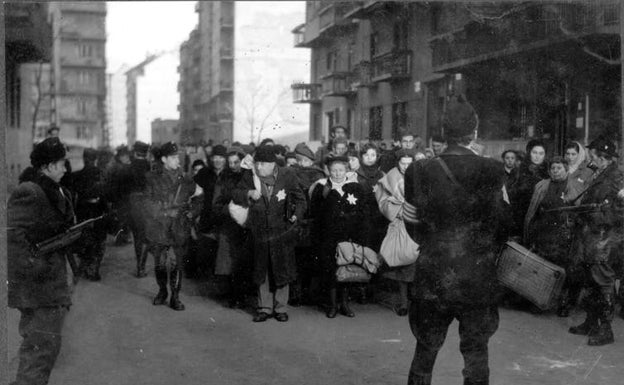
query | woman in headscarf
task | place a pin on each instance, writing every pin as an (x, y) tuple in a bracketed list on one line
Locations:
[(577, 158), (549, 232), (390, 196), (340, 214)]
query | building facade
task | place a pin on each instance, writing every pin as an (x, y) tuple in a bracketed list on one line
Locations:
[(192, 122), (530, 69), (165, 130), (79, 72)]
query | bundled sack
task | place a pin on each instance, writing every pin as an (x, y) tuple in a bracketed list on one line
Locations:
[(352, 273), (398, 248), (240, 213), (348, 253)]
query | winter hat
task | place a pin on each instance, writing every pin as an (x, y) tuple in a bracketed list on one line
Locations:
[(48, 151), (303, 150), (265, 154), (219, 150), (460, 119), (604, 145), (236, 150), (140, 148), (168, 149)]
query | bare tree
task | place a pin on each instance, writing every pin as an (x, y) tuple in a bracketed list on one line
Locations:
[(40, 95), (259, 108)]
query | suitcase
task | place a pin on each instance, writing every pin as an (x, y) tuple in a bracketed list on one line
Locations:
[(532, 277)]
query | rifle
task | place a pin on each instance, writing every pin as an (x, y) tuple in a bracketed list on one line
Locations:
[(63, 240), (577, 209)]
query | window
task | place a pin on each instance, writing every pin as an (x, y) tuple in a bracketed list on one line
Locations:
[(13, 101), (374, 44), (376, 123), (337, 116), (82, 132), (330, 62), (399, 118), (85, 50), (349, 122), (400, 35), (85, 78), (330, 119), (82, 106)]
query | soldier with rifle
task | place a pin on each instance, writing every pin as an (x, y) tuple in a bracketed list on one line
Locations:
[(168, 222), (37, 278)]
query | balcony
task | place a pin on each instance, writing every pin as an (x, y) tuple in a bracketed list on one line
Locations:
[(226, 22), (226, 53), (331, 19), (362, 75), (392, 66), (306, 92), (532, 26), (28, 35), (83, 6), (338, 84), (299, 35)]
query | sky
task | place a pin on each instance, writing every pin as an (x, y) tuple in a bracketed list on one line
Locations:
[(137, 28)]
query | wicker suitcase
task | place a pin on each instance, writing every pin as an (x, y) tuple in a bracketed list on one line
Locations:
[(532, 277)]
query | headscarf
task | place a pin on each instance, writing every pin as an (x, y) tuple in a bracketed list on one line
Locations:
[(582, 157)]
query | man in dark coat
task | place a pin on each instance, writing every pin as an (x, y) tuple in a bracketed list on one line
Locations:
[(599, 233), (455, 225), (38, 285), (275, 205), (139, 167), (88, 188), (168, 222), (119, 182)]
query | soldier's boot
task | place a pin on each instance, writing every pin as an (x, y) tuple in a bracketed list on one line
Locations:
[(161, 280), (604, 334), (175, 282), (590, 324), (141, 260)]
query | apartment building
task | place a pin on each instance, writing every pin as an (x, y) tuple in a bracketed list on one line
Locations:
[(192, 122), (79, 72), (531, 69)]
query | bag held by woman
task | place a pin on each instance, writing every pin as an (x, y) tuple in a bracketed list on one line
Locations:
[(398, 248)]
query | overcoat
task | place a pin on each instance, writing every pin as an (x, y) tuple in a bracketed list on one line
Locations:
[(37, 211), (457, 232), (274, 237)]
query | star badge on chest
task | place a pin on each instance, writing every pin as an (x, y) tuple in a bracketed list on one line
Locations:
[(281, 195), (351, 199)]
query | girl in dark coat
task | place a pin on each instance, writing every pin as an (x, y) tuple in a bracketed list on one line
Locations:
[(340, 213)]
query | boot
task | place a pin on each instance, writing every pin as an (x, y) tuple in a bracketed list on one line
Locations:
[(590, 324), (175, 282), (161, 279), (602, 336), (141, 260), (345, 310), (332, 311)]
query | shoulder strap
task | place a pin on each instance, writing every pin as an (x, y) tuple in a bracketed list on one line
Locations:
[(448, 172)]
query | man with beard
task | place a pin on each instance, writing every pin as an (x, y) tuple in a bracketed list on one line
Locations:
[(452, 206)]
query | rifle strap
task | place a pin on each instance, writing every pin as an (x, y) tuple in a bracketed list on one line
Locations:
[(448, 172)]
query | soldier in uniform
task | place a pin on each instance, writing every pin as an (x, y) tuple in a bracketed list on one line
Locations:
[(451, 210), (37, 210), (139, 166), (598, 232), (168, 222), (90, 203)]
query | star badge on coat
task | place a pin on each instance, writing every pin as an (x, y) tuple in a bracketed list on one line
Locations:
[(281, 195), (351, 199)]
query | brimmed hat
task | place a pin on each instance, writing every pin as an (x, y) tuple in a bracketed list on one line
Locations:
[(168, 149), (48, 151), (219, 150), (303, 150), (265, 154), (604, 145), (140, 148)]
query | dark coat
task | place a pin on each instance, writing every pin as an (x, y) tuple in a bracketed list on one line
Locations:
[(211, 183), (603, 188), (338, 218), (274, 237), (520, 195), (37, 211), (458, 234), (307, 176), (160, 196), (368, 177)]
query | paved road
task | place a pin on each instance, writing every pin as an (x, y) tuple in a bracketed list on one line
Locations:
[(113, 335)]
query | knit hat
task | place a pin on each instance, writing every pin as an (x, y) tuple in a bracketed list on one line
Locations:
[(168, 149), (265, 154), (48, 151), (303, 150), (460, 119)]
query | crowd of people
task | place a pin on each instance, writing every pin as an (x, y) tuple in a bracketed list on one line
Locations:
[(276, 216)]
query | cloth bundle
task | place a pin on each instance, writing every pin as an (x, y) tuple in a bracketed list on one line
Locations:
[(348, 253)]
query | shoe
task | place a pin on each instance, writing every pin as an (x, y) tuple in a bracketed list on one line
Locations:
[(346, 311), (603, 335), (176, 304), (261, 317), (281, 317), (401, 311), (161, 298), (584, 329), (331, 312)]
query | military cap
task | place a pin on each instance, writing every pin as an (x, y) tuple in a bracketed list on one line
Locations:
[(290, 155), (265, 154), (140, 148), (168, 149), (90, 154), (604, 145), (303, 150), (48, 151)]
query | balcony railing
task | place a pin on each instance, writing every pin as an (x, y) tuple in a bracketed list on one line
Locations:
[(529, 26), (299, 35), (392, 66), (362, 75), (338, 84), (306, 92)]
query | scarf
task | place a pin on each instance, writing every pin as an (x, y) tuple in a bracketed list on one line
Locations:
[(268, 182), (580, 159)]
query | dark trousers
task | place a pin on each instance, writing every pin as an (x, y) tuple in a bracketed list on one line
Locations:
[(429, 322), (40, 329)]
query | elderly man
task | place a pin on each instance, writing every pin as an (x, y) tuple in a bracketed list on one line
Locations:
[(168, 222), (38, 210), (452, 212), (275, 202)]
